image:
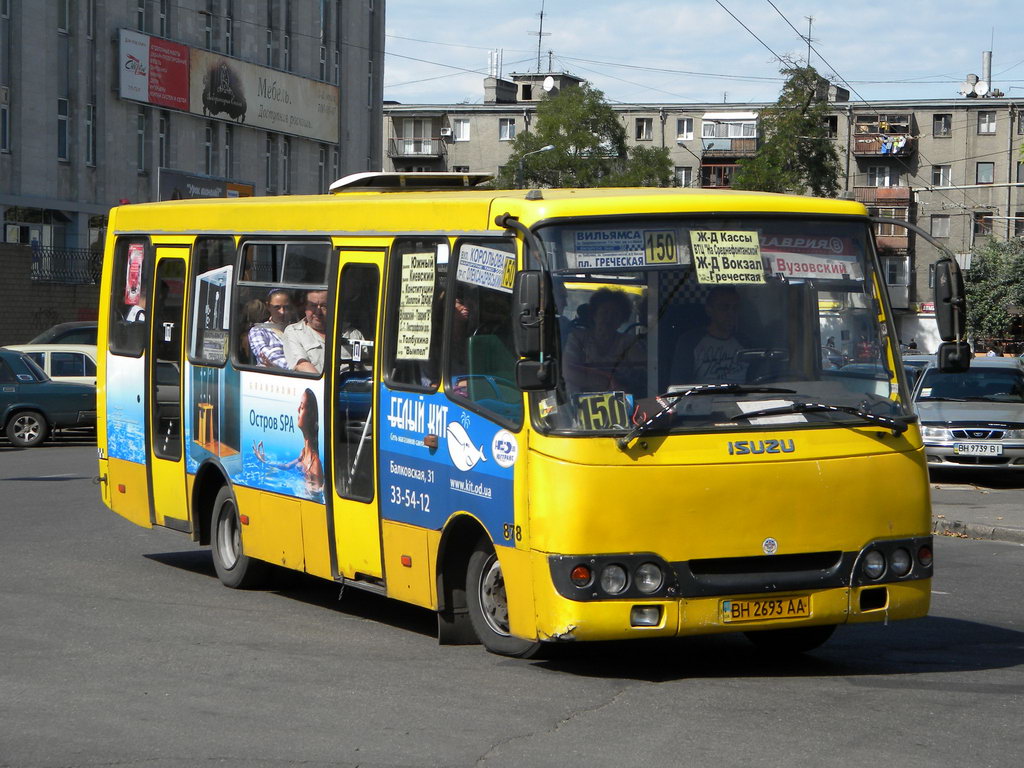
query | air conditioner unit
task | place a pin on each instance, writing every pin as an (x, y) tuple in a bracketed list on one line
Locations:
[(446, 133), (5, 94)]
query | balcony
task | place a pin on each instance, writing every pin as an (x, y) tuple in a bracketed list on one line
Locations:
[(882, 195), (893, 242), (717, 147), (412, 148), (879, 144)]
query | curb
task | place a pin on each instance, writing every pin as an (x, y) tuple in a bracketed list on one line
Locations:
[(978, 531)]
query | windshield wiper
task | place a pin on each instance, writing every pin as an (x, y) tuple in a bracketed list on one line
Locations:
[(897, 427), (701, 389)]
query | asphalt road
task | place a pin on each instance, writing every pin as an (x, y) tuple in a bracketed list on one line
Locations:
[(118, 646)]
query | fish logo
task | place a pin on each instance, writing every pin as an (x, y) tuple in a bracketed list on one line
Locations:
[(464, 454)]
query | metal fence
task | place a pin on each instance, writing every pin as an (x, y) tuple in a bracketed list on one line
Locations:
[(70, 266)]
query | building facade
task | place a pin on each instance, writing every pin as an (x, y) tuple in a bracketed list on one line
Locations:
[(953, 167), (104, 102)]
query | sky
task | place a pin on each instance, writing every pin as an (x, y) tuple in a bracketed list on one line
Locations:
[(694, 51)]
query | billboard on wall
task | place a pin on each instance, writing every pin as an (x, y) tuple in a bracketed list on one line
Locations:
[(166, 74), (177, 185), (154, 70), (261, 97)]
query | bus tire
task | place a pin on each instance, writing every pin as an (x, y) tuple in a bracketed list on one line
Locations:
[(487, 602), (27, 429), (791, 641), (234, 568)]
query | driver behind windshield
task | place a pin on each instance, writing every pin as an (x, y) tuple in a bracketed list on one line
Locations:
[(598, 355), (714, 359)]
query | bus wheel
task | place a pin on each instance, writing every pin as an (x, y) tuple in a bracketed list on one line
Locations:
[(27, 429), (234, 568), (488, 604), (791, 641)]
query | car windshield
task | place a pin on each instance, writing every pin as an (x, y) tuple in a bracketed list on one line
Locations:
[(1003, 385), (751, 314)]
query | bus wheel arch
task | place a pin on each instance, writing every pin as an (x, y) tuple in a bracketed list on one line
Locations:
[(209, 480), (235, 569), (457, 542)]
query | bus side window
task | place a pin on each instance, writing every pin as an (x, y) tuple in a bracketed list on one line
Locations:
[(417, 278), (129, 323), (213, 262), (481, 358)]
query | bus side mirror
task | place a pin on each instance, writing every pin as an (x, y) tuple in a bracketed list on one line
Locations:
[(534, 375), (950, 302), (953, 357), (527, 313)]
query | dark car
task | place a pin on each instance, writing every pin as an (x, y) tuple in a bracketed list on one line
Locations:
[(77, 332), (32, 404)]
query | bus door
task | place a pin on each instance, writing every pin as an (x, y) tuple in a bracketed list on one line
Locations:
[(163, 399), (355, 536)]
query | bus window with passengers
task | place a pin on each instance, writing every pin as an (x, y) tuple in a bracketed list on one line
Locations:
[(572, 415)]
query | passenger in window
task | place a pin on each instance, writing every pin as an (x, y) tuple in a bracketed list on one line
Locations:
[(304, 341), (253, 312), (598, 357), (137, 312), (266, 338)]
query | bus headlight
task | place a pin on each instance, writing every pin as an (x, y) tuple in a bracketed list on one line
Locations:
[(900, 562), (874, 564), (613, 579), (648, 578)]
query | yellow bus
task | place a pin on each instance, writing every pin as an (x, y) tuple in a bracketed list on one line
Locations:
[(549, 416)]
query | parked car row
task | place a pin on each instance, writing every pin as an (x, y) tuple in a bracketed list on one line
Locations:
[(32, 404)]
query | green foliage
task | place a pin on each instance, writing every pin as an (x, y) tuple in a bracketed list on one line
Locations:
[(590, 147), (795, 154), (994, 283)]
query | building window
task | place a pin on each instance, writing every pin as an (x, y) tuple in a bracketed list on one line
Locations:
[(460, 169), (286, 53), (942, 125), (644, 128), (337, 67), (986, 122), (684, 128), (63, 118), (140, 140), (942, 175), (1020, 172), (983, 222), (64, 16), (460, 129), (208, 25), (286, 166), (940, 225), (733, 129), (5, 128), (1018, 224), (163, 143), (335, 162), (883, 176), (985, 173), (163, 27), (684, 176), (321, 169), (140, 15), (229, 34), (506, 128), (90, 18), (270, 47), (889, 230), (895, 270), (229, 152), (209, 139), (323, 62), (270, 159), (416, 136)]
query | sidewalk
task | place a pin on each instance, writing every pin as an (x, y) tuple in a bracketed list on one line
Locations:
[(968, 519)]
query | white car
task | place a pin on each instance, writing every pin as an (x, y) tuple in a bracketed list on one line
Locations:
[(63, 362)]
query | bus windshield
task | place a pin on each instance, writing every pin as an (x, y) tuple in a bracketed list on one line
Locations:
[(719, 323)]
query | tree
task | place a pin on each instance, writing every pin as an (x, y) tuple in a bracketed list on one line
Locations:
[(796, 154), (589, 147), (994, 283)]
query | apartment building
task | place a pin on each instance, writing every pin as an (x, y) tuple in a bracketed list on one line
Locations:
[(123, 101), (951, 166)]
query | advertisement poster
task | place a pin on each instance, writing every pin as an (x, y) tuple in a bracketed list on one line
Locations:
[(415, 306), (471, 469), (154, 70), (126, 416), (726, 257)]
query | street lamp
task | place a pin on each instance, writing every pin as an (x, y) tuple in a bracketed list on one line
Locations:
[(520, 172)]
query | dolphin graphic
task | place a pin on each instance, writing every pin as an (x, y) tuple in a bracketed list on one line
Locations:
[(464, 454)]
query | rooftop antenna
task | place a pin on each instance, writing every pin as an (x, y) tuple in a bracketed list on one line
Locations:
[(810, 21), (541, 34)]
